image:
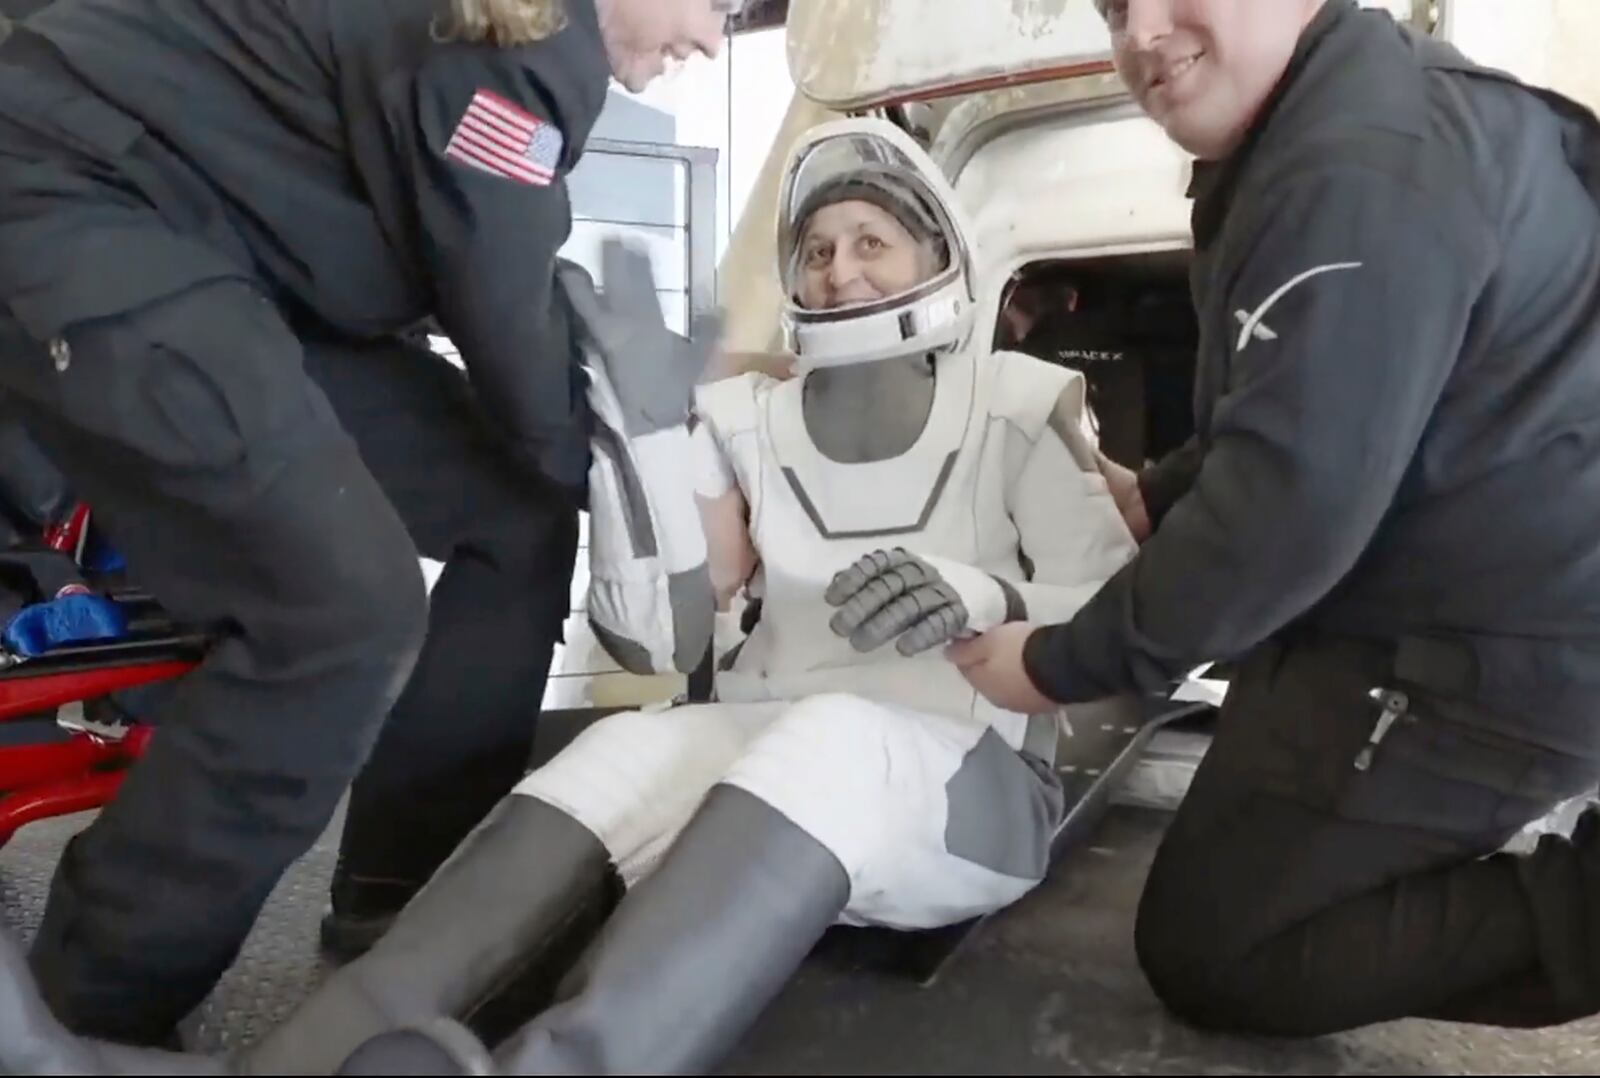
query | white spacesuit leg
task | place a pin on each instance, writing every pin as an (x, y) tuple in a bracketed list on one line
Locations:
[(936, 819), (635, 779)]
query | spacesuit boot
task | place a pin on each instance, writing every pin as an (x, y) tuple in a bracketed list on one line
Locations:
[(485, 942), (694, 953)]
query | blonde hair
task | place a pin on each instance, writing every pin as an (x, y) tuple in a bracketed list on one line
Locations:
[(504, 22)]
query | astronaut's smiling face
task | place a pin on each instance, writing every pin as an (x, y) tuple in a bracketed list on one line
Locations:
[(856, 252)]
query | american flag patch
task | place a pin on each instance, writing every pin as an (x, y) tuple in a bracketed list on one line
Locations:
[(498, 137)]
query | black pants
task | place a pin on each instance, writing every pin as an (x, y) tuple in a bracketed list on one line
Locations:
[(1298, 895), (461, 734), (151, 903), (221, 472)]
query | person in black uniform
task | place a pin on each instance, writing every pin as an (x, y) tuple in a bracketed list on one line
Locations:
[(1389, 513), (217, 219)]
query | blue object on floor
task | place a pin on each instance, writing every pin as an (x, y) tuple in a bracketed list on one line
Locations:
[(99, 556), (70, 619)]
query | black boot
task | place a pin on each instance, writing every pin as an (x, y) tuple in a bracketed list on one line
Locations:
[(360, 911), (1559, 885), (33, 1042), (1562, 881), (486, 941), (694, 953)]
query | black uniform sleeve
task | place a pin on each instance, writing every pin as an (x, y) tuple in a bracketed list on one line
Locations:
[(1353, 294), (493, 212), (1169, 479)]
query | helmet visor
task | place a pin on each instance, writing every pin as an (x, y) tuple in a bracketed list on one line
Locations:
[(896, 218)]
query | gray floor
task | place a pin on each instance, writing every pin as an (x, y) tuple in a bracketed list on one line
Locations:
[(1049, 987)]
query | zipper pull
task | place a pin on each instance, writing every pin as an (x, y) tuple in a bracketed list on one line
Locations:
[(1394, 705)]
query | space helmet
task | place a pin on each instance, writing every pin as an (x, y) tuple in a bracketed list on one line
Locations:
[(872, 160)]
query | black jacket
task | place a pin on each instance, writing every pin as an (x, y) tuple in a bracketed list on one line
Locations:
[(307, 144), (1398, 390)]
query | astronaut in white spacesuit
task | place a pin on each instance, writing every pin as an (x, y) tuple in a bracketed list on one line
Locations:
[(907, 489)]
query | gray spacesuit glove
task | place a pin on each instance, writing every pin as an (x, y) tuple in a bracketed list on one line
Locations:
[(651, 369), (923, 600)]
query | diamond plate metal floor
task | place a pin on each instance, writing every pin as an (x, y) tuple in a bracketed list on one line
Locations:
[(1050, 986)]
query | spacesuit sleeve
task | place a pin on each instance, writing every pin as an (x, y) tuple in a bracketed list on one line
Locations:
[(725, 413), (713, 473), (724, 515), (1068, 524), (650, 599), (493, 211)]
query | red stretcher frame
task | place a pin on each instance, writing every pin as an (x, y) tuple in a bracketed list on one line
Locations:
[(84, 769)]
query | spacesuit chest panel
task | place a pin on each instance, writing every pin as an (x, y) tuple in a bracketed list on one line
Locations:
[(811, 517), (877, 499)]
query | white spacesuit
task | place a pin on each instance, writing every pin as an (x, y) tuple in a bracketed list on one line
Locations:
[(907, 776), (908, 488), (902, 797)]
